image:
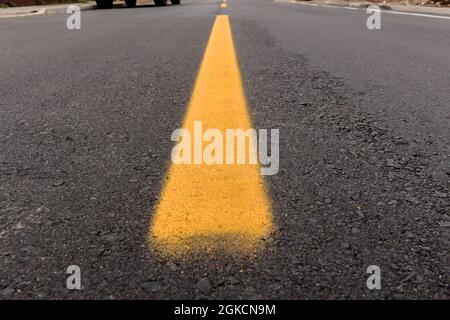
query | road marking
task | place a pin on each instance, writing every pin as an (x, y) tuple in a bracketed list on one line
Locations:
[(415, 14), (223, 5), (383, 11), (214, 207)]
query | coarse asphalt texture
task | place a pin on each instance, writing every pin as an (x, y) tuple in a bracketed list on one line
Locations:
[(85, 123)]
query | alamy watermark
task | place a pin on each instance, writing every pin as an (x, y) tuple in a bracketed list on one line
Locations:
[(73, 281), (73, 22), (237, 146), (374, 20), (374, 280)]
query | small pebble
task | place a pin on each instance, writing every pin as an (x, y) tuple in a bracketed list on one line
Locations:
[(204, 285)]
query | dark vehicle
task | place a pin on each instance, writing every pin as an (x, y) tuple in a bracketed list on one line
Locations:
[(107, 4)]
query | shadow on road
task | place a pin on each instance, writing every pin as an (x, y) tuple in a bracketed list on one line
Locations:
[(140, 4), (124, 6)]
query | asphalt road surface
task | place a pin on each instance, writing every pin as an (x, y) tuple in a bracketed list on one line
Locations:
[(86, 118)]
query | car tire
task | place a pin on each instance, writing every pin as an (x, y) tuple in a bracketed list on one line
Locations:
[(160, 3), (130, 3), (104, 4), (175, 2)]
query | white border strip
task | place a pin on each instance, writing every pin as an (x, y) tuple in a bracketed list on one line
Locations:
[(384, 11)]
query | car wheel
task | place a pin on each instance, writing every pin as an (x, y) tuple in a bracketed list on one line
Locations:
[(174, 2), (104, 4), (160, 3), (130, 3)]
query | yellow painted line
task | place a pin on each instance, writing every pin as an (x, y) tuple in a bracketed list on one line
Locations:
[(221, 206), (223, 5)]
